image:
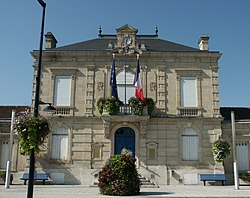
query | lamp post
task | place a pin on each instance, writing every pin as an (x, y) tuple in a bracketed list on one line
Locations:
[(36, 102)]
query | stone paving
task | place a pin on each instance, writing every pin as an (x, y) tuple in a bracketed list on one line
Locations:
[(76, 191)]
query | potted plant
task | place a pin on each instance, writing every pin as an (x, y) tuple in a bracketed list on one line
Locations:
[(136, 105), (150, 104), (111, 105), (3, 176), (221, 150), (32, 132)]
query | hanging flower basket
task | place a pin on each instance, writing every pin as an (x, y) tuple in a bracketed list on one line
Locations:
[(221, 150), (32, 132)]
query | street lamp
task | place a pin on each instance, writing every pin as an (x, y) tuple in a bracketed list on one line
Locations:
[(36, 102)]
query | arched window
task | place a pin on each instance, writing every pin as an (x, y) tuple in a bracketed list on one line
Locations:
[(190, 145), (130, 89)]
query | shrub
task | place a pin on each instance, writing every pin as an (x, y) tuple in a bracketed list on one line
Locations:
[(245, 177), (119, 176), (221, 150)]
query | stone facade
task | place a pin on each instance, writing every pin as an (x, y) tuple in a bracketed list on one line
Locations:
[(175, 141), (158, 139)]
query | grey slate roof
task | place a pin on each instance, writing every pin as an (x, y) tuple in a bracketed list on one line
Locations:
[(153, 44), (241, 113)]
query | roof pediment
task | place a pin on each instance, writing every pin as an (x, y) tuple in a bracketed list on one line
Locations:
[(127, 28)]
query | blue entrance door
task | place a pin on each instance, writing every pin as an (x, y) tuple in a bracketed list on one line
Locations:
[(124, 138)]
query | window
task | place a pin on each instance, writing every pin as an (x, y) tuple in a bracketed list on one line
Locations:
[(62, 91), (242, 155), (59, 145), (130, 89), (4, 154), (190, 145), (152, 150), (97, 150), (151, 153), (97, 153), (188, 89)]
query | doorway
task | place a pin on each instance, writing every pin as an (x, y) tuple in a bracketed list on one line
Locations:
[(124, 138)]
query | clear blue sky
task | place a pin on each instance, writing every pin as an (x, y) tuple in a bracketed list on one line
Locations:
[(227, 22)]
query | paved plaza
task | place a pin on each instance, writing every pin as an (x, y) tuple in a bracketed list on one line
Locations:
[(75, 191)]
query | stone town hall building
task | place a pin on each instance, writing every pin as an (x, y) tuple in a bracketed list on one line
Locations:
[(169, 146)]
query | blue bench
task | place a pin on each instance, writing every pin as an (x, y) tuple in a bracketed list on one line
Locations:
[(212, 177), (37, 176)]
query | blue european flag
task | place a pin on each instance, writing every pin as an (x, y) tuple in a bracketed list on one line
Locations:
[(113, 81)]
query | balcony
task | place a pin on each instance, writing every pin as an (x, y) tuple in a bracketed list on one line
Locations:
[(189, 111), (65, 111)]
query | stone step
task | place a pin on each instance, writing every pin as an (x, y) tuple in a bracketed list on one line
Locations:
[(145, 183)]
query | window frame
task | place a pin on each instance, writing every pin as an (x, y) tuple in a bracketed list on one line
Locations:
[(152, 145), (190, 132), (63, 72), (129, 85), (60, 132), (189, 111)]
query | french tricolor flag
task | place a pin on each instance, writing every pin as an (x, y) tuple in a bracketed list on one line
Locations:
[(137, 82)]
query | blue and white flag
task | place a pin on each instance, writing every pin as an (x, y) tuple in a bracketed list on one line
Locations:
[(113, 81)]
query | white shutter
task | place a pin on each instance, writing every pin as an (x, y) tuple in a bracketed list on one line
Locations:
[(242, 156), (193, 152), (4, 154), (188, 92), (62, 91), (55, 151), (64, 147), (190, 145), (59, 147), (185, 148)]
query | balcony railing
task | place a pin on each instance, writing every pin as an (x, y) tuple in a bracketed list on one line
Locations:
[(63, 111), (189, 111), (125, 110)]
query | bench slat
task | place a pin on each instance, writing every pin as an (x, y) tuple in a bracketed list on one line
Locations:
[(212, 177), (37, 176)]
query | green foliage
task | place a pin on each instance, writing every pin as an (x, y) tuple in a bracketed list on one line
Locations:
[(2, 174), (111, 105), (245, 177), (119, 176), (221, 150), (32, 132), (150, 104), (101, 104), (137, 105)]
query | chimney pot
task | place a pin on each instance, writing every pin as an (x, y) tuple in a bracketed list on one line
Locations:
[(203, 42)]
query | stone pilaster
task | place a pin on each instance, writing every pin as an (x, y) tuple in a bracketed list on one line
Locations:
[(89, 90), (215, 88), (162, 88)]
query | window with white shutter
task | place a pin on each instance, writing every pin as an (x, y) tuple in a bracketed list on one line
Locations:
[(188, 91), (62, 91), (190, 145), (59, 145)]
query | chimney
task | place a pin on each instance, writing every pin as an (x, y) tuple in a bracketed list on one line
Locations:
[(203, 42), (50, 41)]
